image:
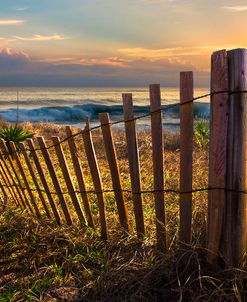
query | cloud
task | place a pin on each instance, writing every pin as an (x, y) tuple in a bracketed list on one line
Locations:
[(18, 68), (10, 60), (110, 61), (41, 38), (157, 54), (236, 8), (11, 21), (20, 9)]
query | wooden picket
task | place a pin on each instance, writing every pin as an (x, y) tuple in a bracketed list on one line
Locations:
[(23, 196), (43, 180), (235, 218), (6, 180), (134, 164), (217, 151), (54, 178), (186, 149), (4, 189), (114, 168), (16, 189), (68, 179), (94, 168), (34, 179), (23, 175), (79, 175), (158, 165)]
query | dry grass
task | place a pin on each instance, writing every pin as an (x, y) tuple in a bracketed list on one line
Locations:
[(43, 262)]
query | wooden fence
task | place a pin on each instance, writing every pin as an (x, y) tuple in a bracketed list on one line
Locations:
[(24, 175)]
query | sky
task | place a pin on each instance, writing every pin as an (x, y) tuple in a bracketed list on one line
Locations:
[(115, 42)]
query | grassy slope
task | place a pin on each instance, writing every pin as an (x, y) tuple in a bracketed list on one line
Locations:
[(43, 262)]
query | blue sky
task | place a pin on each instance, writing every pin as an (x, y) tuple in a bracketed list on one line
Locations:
[(114, 42)]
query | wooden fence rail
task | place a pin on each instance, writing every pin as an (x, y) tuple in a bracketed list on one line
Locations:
[(40, 179)]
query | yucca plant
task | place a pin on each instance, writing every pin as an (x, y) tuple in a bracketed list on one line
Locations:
[(14, 134), (201, 133)]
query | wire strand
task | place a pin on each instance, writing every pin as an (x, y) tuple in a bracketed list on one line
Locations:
[(128, 191)]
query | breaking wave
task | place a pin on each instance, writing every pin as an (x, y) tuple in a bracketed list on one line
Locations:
[(78, 113)]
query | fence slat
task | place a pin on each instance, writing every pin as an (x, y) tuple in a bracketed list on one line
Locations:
[(217, 152), (67, 177), (158, 165), (43, 180), (19, 165), (53, 175), (6, 153), (94, 168), (8, 183), (5, 195), (134, 165), (114, 168), (235, 230), (186, 150), (31, 171), (79, 176), (14, 184), (9, 187)]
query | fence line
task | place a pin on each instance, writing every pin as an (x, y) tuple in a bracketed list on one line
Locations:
[(19, 177)]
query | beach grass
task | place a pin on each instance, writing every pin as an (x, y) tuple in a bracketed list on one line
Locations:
[(41, 261)]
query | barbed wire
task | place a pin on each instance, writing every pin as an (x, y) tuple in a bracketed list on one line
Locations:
[(86, 131)]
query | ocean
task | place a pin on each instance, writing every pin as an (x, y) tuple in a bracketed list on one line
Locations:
[(70, 106)]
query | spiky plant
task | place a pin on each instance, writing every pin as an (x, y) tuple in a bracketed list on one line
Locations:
[(14, 133), (201, 133)]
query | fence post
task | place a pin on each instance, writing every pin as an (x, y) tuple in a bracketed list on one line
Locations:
[(114, 168), (227, 209), (51, 169), (68, 179), (79, 176), (134, 164), (186, 150), (14, 183), (158, 163), (43, 179), (217, 152), (236, 205), (10, 188), (34, 178), (7, 156), (23, 175), (94, 168)]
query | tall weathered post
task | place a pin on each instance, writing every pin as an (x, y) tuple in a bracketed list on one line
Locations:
[(235, 236), (227, 210), (217, 152)]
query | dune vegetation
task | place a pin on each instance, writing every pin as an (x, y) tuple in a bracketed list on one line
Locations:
[(40, 261)]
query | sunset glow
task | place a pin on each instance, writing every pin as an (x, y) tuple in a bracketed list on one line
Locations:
[(97, 39)]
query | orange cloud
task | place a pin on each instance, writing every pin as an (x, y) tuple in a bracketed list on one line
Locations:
[(11, 21), (236, 8), (41, 38), (112, 61)]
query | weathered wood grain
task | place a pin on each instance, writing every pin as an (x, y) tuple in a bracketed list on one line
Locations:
[(158, 165), (186, 152), (134, 164), (114, 169)]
